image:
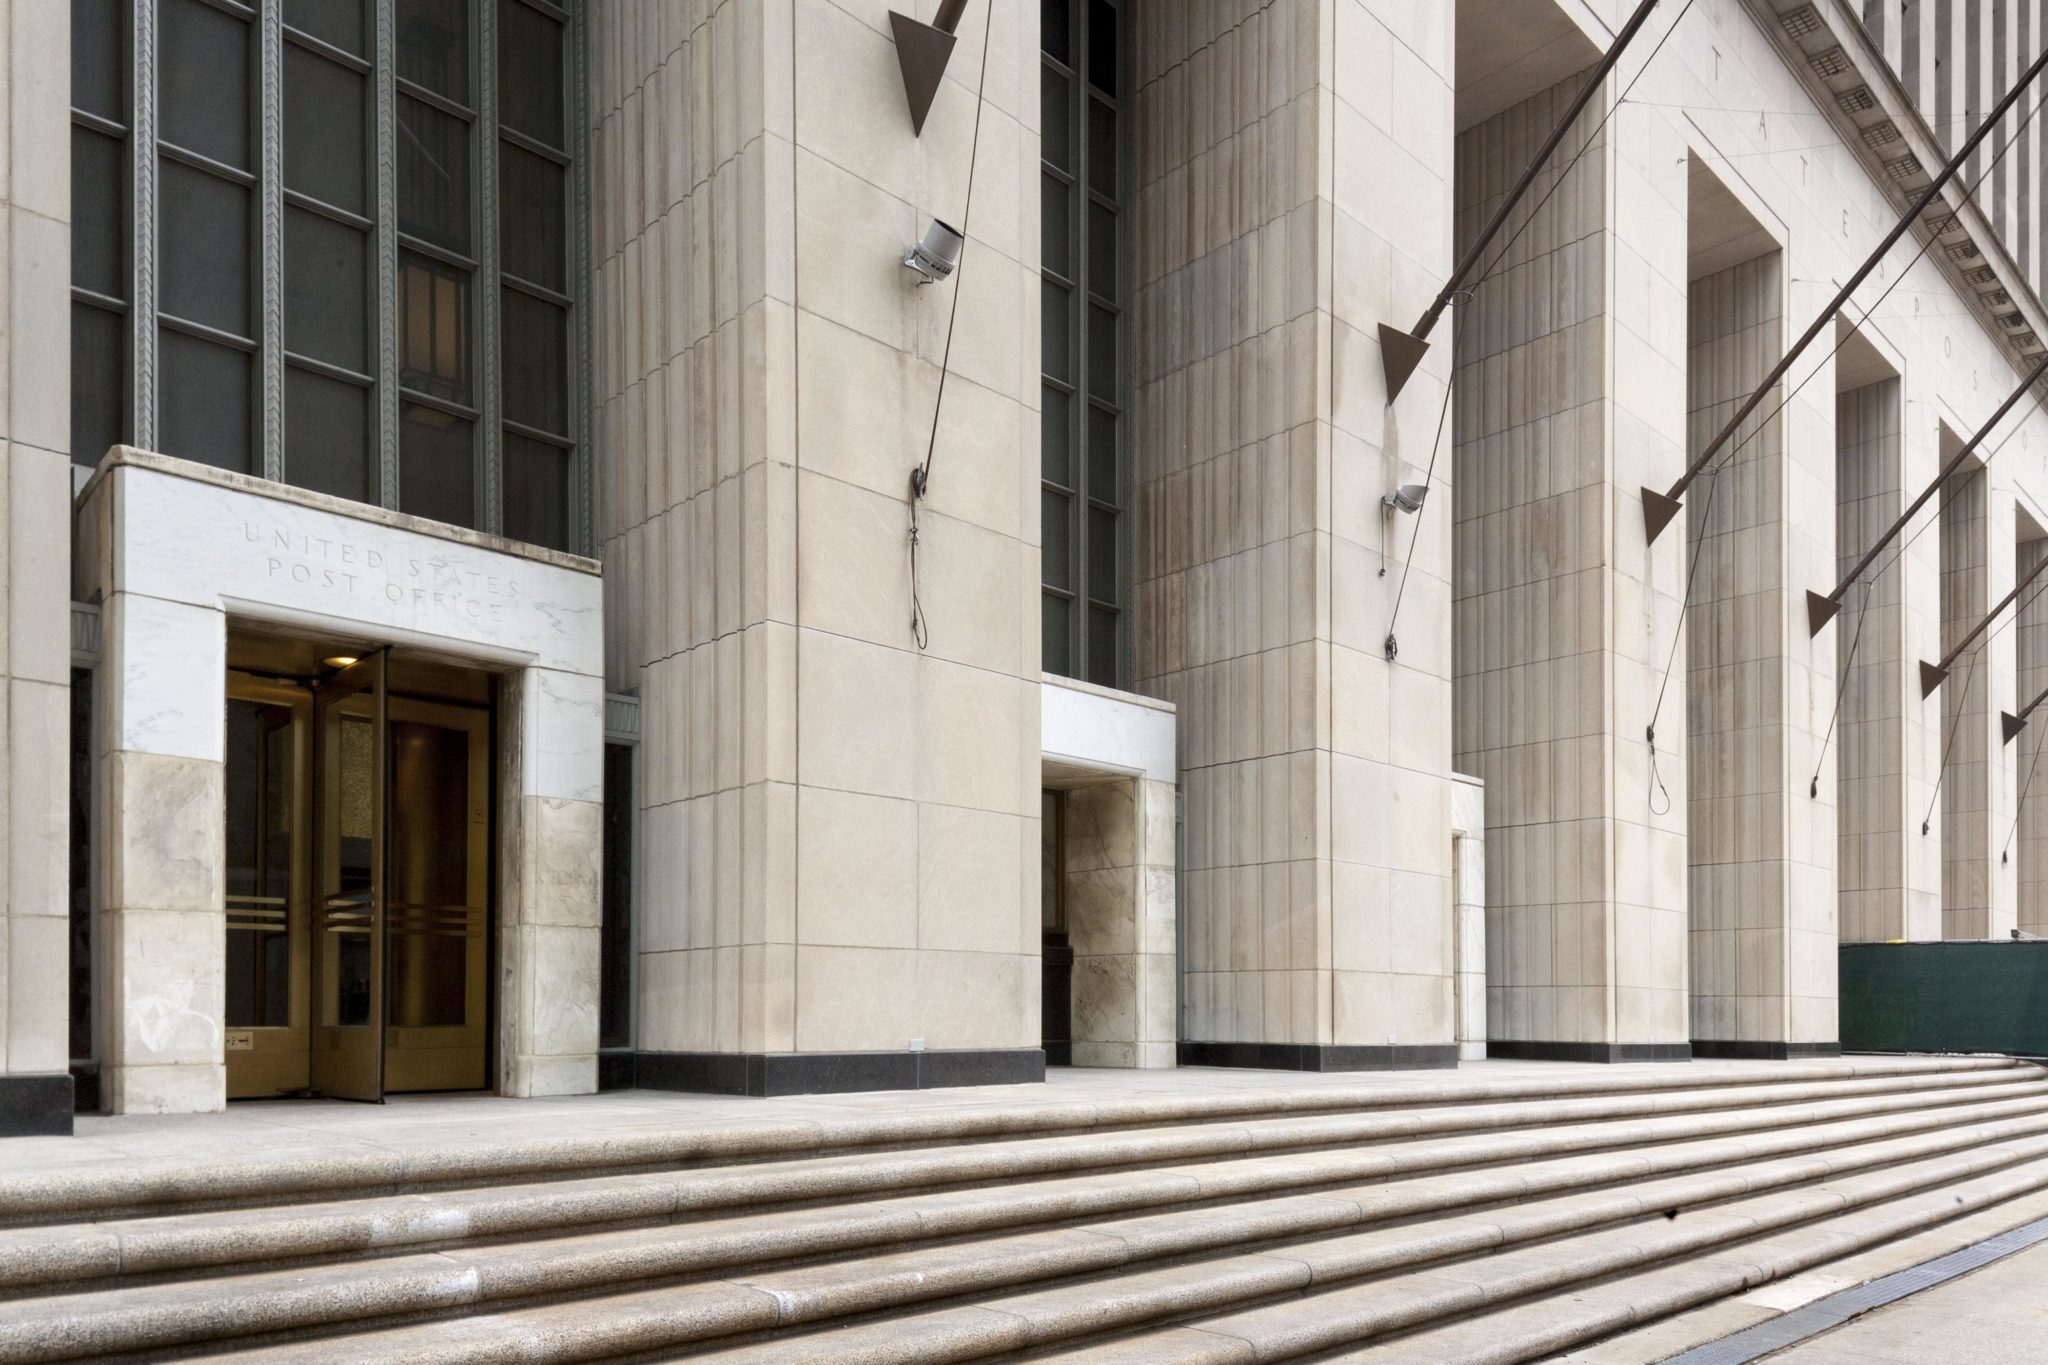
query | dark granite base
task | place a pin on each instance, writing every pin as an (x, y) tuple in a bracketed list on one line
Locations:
[(1321, 1056), (833, 1073), (85, 1087), (615, 1070), (1733, 1050), (1533, 1050), (36, 1104)]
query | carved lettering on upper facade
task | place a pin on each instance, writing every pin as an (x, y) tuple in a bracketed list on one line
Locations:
[(352, 569)]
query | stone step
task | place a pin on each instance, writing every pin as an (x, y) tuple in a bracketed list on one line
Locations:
[(1524, 1290), (1532, 1331), (989, 1186), (1290, 1232), (125, 1188)]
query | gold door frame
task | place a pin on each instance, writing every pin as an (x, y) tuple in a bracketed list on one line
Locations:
[(269, 1061)]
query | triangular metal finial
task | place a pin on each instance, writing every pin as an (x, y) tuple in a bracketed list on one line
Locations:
[(1819, 611), (2010, 725), (1931, 676), (922, 51), (1400, 353), (1658, 511)]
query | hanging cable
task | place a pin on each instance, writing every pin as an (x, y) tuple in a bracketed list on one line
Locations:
[(1721, 463), (1464, 296), (1529, 220), (1962, 709), (2020, 806), (1841, 691), (1927, 821), (920, 477), (1461, 298)]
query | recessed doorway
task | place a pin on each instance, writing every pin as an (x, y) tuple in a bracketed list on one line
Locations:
[(359, 910)]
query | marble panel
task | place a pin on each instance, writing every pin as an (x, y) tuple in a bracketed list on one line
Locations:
[(561, 735), (161, 676), (200, 536)]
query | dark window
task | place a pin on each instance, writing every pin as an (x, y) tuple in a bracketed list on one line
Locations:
[(99, 381), (204, 401), (437, 464), (326, 289), (433, 46), (204, 69), (530, 72), (536, 492), (337, 22), (533, 214), (99, 69), (99, 238), (203, 251), (100, 264), (326, 123), (1084, 461), (327, 433), (536, 363), (433, 175), (615, 953), (480, 288)]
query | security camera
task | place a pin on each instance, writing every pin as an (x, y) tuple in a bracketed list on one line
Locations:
[(935, 257)]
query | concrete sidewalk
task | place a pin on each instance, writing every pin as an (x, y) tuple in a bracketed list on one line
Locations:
[(1994, 1316)]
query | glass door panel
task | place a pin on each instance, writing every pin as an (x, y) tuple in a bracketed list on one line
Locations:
[(267, 887), (349, 714), (439, 887)]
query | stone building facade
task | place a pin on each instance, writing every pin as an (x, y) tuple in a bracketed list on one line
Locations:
[(560, 598)]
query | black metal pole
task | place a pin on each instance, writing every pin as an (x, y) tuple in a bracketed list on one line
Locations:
[(1401, 352), (1932, 674), (1660, 508), (1821, 610)]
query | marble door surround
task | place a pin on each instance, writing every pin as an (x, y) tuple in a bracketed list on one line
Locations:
[(172, 550)]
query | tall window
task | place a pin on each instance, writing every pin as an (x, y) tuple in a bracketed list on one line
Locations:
[(336, 243), (1084, 184)]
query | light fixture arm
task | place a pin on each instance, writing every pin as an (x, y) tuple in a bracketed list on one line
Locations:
[(1401, 352), (1660, 508), (1821, 610), (1931, 675)]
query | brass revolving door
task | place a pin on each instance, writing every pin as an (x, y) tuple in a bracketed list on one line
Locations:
[(358, 860)]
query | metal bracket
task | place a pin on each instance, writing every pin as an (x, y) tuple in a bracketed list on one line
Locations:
[(923, 50)]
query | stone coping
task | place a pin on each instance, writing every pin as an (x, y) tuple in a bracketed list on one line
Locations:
[(161, 1162), (131, 457), (1107, 693)]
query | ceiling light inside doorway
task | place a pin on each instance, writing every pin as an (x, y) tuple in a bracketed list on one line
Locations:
[(339, 660)]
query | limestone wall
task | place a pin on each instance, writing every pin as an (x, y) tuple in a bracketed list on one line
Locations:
[(841, 827), (35, 497), (1294, 163)]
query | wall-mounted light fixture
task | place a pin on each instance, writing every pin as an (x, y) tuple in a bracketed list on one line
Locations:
[(934, 257), (1407, 498)]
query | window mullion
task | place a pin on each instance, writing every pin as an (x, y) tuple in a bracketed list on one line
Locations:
[(490, 390), (387, 253), (1077, 330), (582, 464), (271, 191), (142, 162)]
